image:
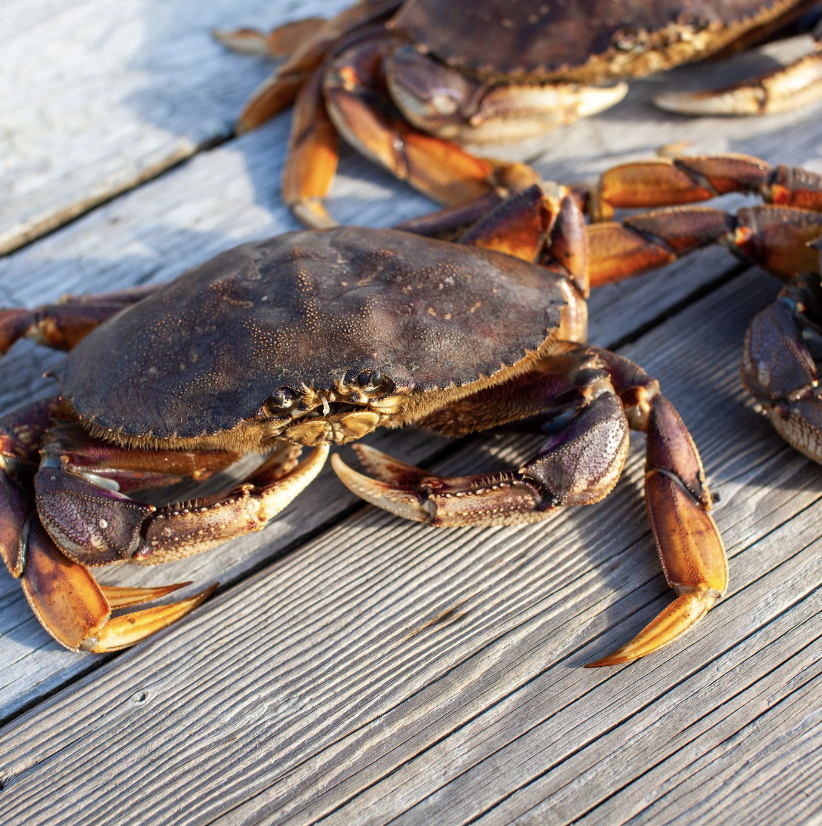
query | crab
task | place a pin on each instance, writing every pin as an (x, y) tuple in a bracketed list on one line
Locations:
[(314, 339), (405, 83)]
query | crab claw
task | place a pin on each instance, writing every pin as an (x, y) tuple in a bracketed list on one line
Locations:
[(400, 490), (782, 90), (76, 611)]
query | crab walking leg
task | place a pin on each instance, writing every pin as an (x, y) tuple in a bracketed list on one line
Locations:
[(571, 396), (778, 367), (280, 89), (677, 498), (312, 157), (684, 180), (775, 238), (20, 433), (96, 526), (363, 113), (63, 324), (543, 224)]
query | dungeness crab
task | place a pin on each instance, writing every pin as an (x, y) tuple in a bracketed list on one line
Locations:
[(317, 338), (405, 82)]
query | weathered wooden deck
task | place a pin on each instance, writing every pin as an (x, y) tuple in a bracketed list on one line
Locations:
[(354, 668)]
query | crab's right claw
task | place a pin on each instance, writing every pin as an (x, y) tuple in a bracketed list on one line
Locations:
[(687, 538), (76, 611)]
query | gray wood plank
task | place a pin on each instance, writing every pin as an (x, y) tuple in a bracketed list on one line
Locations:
[(327, 704), (106, 95)]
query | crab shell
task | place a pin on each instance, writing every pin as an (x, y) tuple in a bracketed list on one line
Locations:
[(307, 312), (586, 42)]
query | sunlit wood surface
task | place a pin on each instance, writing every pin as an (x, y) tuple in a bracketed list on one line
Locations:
[(354, 668)]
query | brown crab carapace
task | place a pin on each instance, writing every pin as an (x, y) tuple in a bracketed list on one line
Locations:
[(317, 338), (405, 83)]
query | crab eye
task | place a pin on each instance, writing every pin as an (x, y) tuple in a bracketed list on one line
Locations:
[(370, 380), (281, 399)]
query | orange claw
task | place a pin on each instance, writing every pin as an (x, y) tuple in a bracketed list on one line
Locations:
[(76, 611), (691, 550), (683, 613)]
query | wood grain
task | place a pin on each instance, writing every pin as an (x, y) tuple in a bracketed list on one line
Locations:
[(109, 94), (345, 714), (356, 669)]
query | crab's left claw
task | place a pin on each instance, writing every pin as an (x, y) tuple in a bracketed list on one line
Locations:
[(76, 611)]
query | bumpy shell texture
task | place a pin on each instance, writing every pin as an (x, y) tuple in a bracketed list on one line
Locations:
[(307, 308), (542, 37)]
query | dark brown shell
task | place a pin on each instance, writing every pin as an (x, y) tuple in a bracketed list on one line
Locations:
[(551, 38), (309, 308)]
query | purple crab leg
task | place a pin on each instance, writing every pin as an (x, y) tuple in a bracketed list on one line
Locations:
[(65, 323)]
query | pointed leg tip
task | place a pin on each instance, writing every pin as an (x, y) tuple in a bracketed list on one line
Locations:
[(667, 627), (204, 594), (615, 658), (404, 502), (386, 468), (596, 99), (129, 629), (312, 213)]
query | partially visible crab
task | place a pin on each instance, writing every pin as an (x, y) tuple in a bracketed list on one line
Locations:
[(317, 338), (405, 82)]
